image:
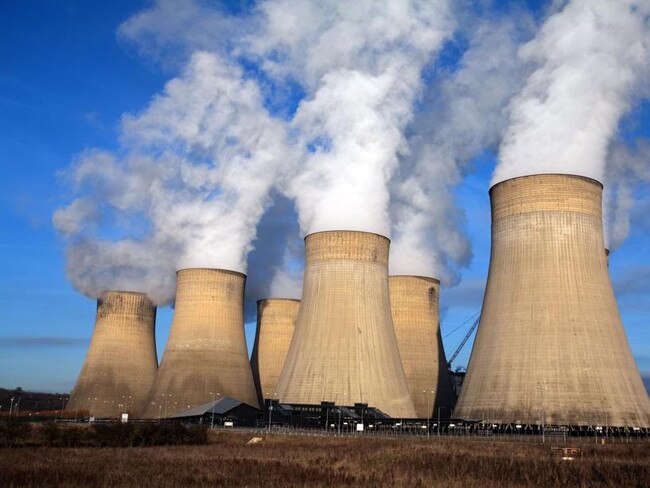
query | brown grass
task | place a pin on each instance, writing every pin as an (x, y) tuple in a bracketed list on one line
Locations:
[(326, 462)]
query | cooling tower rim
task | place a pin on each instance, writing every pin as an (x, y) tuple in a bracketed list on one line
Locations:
[(124, 292), (570, 175), (347, 231), (428, 278), (223, 270), (281, 299)]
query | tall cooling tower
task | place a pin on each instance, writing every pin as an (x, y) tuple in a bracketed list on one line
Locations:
[(550, 346), (344, 347), (121, 362), (414, 302), (276, 320), (206, 356)]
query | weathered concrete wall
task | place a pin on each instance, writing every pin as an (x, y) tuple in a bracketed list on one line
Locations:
[(344, 347), (414, 302), (276, 320), (550, 342), (121, 362), (206, 355)]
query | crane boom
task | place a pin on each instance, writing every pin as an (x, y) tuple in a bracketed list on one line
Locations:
[(462, 343)]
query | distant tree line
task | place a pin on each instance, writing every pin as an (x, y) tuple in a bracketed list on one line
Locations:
[(30, 400)]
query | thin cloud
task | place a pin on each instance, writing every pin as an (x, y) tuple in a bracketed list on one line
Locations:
[(44, 341)]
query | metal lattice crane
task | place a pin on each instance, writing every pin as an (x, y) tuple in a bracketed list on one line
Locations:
[(463, 342)]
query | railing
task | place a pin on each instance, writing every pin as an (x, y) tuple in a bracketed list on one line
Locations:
[(567, 438)]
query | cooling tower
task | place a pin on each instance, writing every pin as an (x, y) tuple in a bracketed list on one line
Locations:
[(344, 347), (121, 362), (414, 302), (550, 346), (276, 319), (206, 355)]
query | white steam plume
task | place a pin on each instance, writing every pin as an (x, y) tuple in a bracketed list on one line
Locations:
[(628, 169), (462, 116), (200, 163), (360, 64), (590, 57)]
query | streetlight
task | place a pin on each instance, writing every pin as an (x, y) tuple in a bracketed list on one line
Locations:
[(337, 397), (165, 397), (327, 418), (11, 406), (542, 387), (429, 407), (213, 400), (439, 420)]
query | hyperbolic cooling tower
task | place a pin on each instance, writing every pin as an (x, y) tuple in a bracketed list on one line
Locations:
[(414, 302), (206, 356), (276, 320), (121, 362), (550, 346), (344, 347)]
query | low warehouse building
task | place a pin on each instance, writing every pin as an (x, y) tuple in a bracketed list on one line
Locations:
[(225, 411)]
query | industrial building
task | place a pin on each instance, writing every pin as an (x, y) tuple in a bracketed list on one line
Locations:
[(344, 347), (550, 347), (223, 412), (206, 355), (415, 308), (121, 362), (276, 320), (324, 415)]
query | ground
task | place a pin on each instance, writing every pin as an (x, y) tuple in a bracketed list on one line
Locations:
[(282, 460)]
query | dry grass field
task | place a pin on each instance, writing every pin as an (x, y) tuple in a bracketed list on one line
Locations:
[(278, 460)]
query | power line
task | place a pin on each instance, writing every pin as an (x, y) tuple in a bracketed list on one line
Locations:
[(464, 323)]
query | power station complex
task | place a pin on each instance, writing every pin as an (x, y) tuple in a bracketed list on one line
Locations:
[(550, 347)]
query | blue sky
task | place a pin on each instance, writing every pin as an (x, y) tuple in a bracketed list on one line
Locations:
[(65, 81)]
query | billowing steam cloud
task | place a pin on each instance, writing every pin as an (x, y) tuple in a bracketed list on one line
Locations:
[(462, 116), (590, 58), (200, 163), (361, 66), (628, 169), (332, 105)]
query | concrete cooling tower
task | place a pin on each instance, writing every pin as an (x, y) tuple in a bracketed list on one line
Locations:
[(414, 302), (276, 319), (206, 356), (344, 347), (121, 362), (550, 347)]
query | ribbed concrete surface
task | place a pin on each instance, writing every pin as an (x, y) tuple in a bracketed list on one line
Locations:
[(415, 307), (550, 342), (276, 320), (344, 347), (121, 362), (206, 352)]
